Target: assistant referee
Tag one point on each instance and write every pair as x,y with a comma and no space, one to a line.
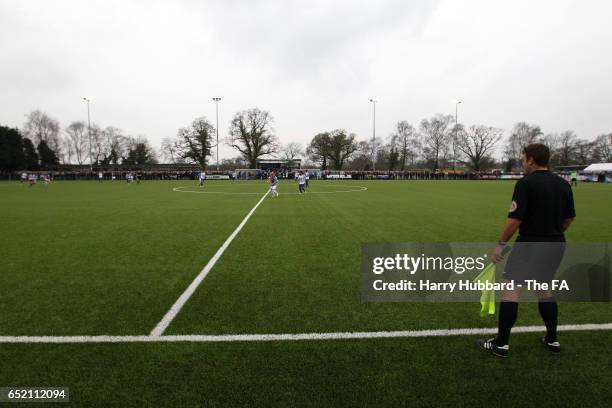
542,209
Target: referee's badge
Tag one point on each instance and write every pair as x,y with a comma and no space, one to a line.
512,206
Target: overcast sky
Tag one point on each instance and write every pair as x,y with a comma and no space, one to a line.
152,67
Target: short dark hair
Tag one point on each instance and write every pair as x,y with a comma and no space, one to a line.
540,153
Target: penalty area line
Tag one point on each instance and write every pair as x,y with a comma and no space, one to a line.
163,324
229,338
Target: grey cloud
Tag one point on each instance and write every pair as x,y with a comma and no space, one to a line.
305,38
153,66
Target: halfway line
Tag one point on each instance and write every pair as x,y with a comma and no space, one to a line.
180,302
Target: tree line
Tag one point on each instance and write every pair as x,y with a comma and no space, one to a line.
42,143
438,143
434,143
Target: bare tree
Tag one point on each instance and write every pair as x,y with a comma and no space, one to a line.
78,140
114,145
292,151
232,164
405,134
389,154
552,141
362,157
252,135
567,147
40,127
413,154
562,148
455,152
171,150
477,143
522,135
376,145
436,138
97,143
602,148
583,151
67,149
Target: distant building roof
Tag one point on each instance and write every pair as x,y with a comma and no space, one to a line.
278,160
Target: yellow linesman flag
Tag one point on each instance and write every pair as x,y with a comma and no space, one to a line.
487,299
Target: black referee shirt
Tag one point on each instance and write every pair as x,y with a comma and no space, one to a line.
542,201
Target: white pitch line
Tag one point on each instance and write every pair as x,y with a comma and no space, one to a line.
159,329
229,338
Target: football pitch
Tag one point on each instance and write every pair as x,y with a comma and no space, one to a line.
93,274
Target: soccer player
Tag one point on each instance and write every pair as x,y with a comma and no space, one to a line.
32,179
24,177
574,177
273,183
307,177
302,182
542,209
202,177
100,176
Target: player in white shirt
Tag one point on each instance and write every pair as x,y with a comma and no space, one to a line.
307,176
302,182
273,184
24,177
202,177
32,178
100,176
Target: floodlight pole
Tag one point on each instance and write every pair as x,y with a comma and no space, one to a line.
217,128
373,134
88,100
455,138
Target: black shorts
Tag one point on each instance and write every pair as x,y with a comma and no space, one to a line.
534,260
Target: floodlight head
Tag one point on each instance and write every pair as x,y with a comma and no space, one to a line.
87,98
373,100
216,99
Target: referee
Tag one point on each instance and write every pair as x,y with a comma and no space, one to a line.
542,209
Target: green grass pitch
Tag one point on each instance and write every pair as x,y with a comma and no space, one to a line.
89,258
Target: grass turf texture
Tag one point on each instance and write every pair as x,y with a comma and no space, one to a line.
111,258
428,372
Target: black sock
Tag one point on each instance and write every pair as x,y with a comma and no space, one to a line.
507,317
549,311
